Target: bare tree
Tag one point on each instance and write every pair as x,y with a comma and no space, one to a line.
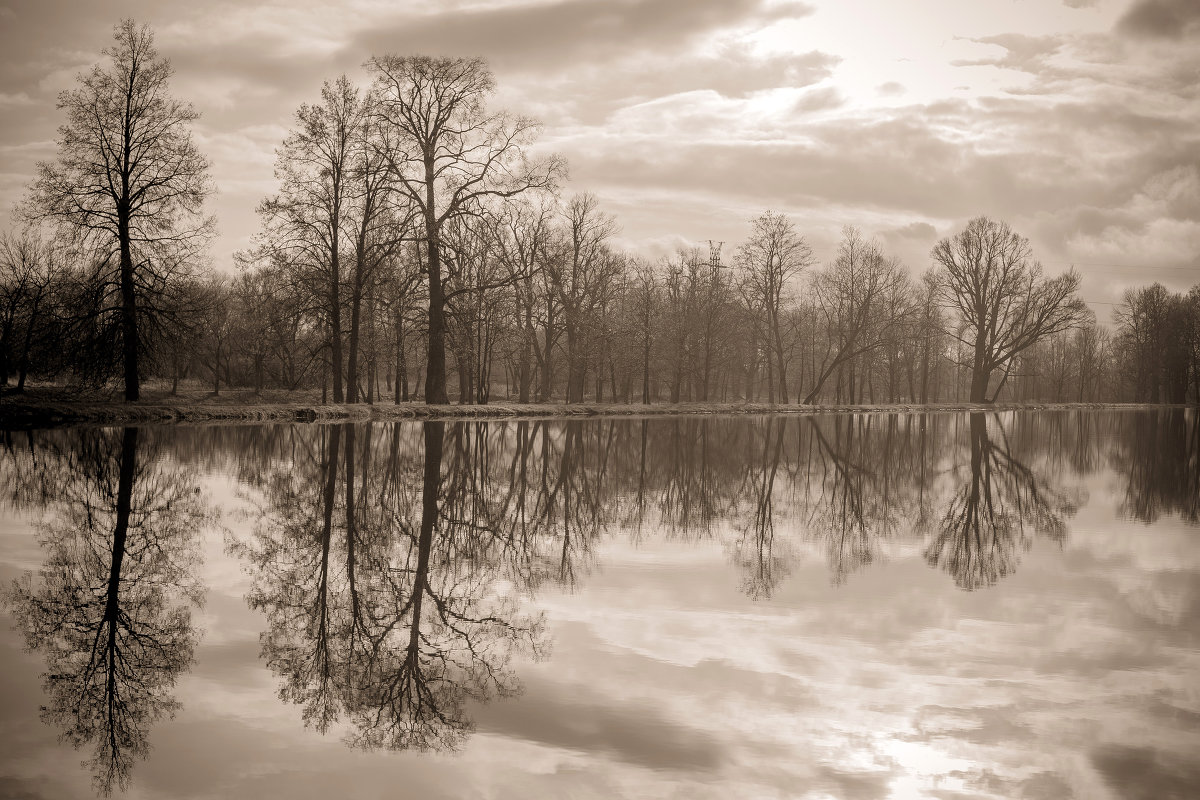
216,324
583,277
772,257
1157,331
128,178
644,297
381,222
521,243
448,153
859,307
1003,303
306,220
31,269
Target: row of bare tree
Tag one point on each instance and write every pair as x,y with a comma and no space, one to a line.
418,244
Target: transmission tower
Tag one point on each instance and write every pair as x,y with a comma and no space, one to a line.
714,254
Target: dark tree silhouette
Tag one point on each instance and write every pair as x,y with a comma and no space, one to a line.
130,181
448,154
1003,303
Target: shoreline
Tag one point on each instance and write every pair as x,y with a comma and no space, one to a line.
27,413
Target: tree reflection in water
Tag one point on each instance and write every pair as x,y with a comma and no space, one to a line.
756,551
993,513
1158,452
110,610
399,614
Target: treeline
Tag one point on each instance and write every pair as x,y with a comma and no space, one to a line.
418,247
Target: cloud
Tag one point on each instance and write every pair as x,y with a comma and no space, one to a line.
15,99
532,36
1021,52
919,231
1161,19
1141,773
555,715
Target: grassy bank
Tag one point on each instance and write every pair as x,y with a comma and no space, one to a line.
49,407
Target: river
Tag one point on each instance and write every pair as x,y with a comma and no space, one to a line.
852,606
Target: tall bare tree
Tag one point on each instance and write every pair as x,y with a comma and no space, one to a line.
584,278
768,261
129,178
306,221
448,152
860,307
521,242
1004,305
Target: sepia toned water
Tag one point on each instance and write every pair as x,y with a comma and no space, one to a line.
850,606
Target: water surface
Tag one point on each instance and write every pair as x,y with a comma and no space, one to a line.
859,606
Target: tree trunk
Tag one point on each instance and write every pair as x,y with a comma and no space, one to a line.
129,331
646,368
355,323
435,363
548,352
780,365
124,509
217,371
979,383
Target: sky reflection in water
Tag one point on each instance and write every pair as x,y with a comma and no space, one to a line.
860,606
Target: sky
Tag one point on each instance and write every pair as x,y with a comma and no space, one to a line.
1076,121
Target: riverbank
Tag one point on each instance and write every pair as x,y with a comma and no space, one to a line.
40,408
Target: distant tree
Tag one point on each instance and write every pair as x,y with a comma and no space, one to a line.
217,323
521,243
31,269
1157,330
584,277
1193,339
1002,302
862,301
644,300
128,179
767,262
447,153
927,333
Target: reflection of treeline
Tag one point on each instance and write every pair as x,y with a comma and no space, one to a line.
394,563
532,498
1158,455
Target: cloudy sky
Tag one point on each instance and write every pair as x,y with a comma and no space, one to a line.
1077,121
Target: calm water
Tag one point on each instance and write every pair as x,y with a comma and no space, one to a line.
943,606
